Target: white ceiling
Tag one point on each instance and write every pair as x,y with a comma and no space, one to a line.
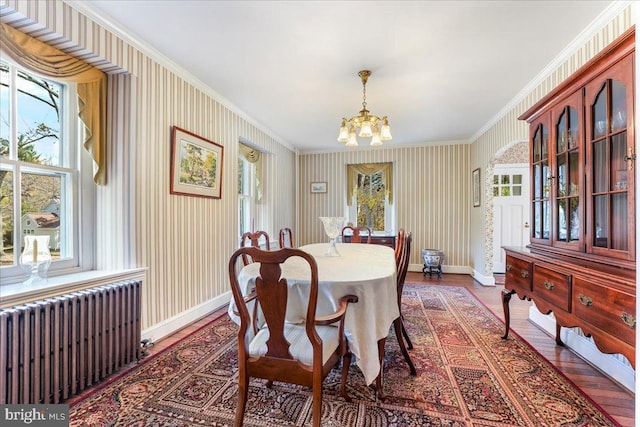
442,70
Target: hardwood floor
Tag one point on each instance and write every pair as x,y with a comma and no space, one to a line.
609,395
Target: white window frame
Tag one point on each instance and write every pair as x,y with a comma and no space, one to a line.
249,198
79,203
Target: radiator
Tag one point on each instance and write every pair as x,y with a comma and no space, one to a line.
53,349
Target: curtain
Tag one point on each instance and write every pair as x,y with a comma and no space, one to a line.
254,156
368,169
41,58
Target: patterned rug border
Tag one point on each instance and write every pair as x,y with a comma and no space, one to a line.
512,331
221,312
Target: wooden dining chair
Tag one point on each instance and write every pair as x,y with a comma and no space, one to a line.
301,353
286,238
253,239
400,242
398,324
357,235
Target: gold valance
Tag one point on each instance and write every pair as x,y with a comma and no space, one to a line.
41,58
368,169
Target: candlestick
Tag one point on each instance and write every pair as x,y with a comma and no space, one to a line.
35,250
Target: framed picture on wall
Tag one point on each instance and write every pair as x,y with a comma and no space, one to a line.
475,185
318,187
196,165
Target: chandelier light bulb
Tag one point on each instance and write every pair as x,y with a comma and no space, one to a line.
375,139
385,130
344,132
352,142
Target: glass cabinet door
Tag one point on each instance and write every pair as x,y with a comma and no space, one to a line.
567,174
540,230
611,159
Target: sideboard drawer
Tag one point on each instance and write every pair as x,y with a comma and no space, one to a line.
384,240
552,286
518,274
607,309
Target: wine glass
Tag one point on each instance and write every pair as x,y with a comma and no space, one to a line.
333,227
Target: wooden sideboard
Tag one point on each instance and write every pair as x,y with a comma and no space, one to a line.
377,240
598,299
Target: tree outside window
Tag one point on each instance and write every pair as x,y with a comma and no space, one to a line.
371,195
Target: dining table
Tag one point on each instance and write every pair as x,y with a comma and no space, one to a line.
367,271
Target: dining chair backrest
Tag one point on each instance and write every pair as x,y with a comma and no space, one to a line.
404,265
280,351
286,238
400,238
253,239
357,233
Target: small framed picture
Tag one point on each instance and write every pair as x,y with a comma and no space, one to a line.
196,165
475,183
318,187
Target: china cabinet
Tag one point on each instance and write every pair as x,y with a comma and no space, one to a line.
580,264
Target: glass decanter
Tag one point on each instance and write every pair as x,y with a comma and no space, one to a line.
333,227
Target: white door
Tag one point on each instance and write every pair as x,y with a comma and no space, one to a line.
511,210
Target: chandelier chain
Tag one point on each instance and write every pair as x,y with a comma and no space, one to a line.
364,96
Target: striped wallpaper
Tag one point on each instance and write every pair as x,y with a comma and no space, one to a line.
185,241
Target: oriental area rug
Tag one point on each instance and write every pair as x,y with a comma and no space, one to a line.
467,376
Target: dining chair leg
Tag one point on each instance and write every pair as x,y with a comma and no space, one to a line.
406,337
398,328
346,362
380,378
316,407
243,392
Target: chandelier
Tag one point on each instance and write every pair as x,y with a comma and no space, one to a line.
367,123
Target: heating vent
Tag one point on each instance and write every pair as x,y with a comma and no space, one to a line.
55,348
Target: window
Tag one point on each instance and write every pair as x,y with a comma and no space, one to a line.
39,168
246,189
370,195
506,185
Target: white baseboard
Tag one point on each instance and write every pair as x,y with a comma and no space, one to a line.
620,371
484,280
181,320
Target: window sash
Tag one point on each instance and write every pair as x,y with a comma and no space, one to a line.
68,171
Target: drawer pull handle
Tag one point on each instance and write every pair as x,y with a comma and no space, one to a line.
509,267
524,274
586,301
549,285
628,320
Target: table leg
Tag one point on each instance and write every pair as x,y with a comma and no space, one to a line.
379,379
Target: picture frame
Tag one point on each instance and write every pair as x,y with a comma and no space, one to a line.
319,187
475,186
196,165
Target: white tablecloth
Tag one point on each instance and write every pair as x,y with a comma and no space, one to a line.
367,271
